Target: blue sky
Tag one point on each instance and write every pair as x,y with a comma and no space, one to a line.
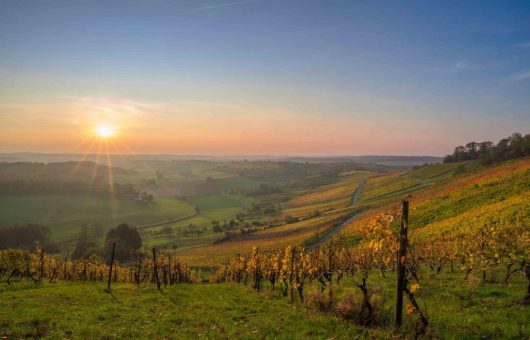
265,76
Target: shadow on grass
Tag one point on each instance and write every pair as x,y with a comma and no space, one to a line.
111,293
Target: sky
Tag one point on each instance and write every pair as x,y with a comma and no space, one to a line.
263,77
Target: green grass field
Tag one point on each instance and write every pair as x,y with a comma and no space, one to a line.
216,207
437,172
219,207
65,214
457,310
238,182
185,311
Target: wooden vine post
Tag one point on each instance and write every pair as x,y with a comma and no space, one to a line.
41,273
138,273
155,270
110,266
402,261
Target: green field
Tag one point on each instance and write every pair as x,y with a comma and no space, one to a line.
437,172
219,207
65,214
238,182
186,311
457,310
216,207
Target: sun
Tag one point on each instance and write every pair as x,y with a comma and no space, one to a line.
105,131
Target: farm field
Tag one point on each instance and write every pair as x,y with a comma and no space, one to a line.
319,210
65,214
237,182
325,198
207,209
219,207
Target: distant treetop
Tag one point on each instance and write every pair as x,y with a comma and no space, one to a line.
514,146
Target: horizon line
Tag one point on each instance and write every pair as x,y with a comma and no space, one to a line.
218,156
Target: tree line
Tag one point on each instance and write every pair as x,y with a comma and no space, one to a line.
127,239
484,153
32,187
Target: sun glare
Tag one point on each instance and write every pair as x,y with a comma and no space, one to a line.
105,131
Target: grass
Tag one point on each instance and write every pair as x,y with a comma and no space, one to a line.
237,182
381,188
437,172
218,207
184,311
457,309
65,214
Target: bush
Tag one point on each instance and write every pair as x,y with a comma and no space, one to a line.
291,219
320,301
352,307
166,230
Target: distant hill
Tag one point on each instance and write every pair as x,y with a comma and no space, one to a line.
400,161
61,171
390,161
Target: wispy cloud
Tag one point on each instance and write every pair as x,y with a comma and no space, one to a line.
459,66
523,44
520,77
225,4
462,65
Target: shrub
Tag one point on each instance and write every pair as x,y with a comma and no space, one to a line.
352,307
320,301
291,219
166,230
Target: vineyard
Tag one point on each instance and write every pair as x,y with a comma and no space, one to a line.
339,279
481,252
162,269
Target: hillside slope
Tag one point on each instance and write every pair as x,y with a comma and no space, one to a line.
493,195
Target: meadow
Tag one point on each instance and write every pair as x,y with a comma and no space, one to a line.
65,214
457,309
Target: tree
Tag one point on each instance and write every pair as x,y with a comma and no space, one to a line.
515,146
472,150
25,236
485,147
81,244
128,242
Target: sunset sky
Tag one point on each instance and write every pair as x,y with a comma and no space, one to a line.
264,77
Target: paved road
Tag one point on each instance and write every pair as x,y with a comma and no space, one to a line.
355,197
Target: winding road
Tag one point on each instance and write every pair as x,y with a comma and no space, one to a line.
336,229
